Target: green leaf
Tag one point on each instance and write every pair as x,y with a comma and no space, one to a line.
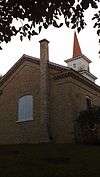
98,32
67,24
94,4
29,36
61,24
79,29
40,28
45,25
21,37
55,24
34,33
74,26
85,4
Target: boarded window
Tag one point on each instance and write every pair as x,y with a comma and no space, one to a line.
25,108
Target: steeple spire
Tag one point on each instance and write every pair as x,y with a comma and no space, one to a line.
76,47
80,62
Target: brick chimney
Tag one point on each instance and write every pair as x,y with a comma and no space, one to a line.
44,89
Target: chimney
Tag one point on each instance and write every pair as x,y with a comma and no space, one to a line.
44,51
44,89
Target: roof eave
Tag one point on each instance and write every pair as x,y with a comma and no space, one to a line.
90,74
78,57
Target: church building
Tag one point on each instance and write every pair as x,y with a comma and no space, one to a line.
40,101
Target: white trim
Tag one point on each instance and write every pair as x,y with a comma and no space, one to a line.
19,121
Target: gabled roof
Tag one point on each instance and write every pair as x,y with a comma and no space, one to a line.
76,75
88,73
30,59
65,71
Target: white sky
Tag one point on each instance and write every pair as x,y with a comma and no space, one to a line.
60,47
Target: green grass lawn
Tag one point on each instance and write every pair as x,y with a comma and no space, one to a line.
49,160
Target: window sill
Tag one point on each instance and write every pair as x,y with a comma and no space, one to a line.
22,121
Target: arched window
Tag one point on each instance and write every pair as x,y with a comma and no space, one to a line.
25,108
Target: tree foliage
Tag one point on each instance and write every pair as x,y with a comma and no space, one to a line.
89,117
41,14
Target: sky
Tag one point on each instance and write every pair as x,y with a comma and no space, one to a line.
60,47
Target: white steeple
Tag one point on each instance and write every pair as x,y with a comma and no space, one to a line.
80,62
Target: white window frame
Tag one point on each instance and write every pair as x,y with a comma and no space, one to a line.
23,109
